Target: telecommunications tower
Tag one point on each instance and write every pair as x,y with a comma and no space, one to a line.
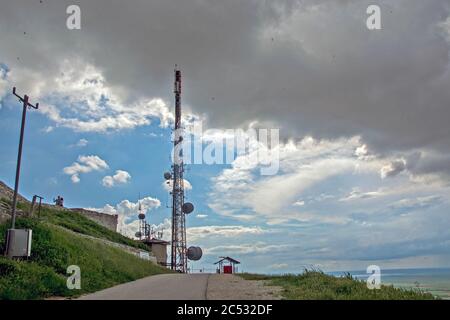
144,227
179,252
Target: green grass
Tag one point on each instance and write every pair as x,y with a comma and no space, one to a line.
54,249
315,285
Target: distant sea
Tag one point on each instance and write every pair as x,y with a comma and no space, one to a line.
436,281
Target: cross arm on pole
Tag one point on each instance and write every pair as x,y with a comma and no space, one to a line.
25,100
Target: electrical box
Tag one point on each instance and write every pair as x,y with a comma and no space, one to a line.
18,242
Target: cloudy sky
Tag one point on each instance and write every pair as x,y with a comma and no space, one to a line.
363,118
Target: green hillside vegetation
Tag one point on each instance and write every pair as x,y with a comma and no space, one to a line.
54,249
316,285
76,222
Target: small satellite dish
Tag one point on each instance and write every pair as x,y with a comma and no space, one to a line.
194,253
138,234
188,207
141,216
167,175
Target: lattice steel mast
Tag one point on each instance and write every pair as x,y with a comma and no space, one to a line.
178,257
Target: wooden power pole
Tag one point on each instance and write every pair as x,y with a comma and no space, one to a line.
26,104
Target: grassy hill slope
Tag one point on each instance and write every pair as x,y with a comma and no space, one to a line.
54,249
316,285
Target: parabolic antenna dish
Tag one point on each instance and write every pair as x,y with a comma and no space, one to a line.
141,216
188,207
138,234
167,175
194,253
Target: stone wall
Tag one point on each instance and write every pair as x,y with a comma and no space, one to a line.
109,221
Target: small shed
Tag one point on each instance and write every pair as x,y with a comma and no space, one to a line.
227,265
159,249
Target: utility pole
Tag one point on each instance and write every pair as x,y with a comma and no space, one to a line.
26,104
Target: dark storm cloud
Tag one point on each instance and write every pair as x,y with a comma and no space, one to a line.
310,67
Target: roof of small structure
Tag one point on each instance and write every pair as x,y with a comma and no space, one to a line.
228,259
155,241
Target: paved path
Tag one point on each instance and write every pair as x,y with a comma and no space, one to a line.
158,287
188,287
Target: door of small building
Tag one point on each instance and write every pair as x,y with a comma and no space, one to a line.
227,269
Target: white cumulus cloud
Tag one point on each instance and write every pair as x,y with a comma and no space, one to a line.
85,164
120,177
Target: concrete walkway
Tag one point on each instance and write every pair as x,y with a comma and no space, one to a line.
188,287
158,287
